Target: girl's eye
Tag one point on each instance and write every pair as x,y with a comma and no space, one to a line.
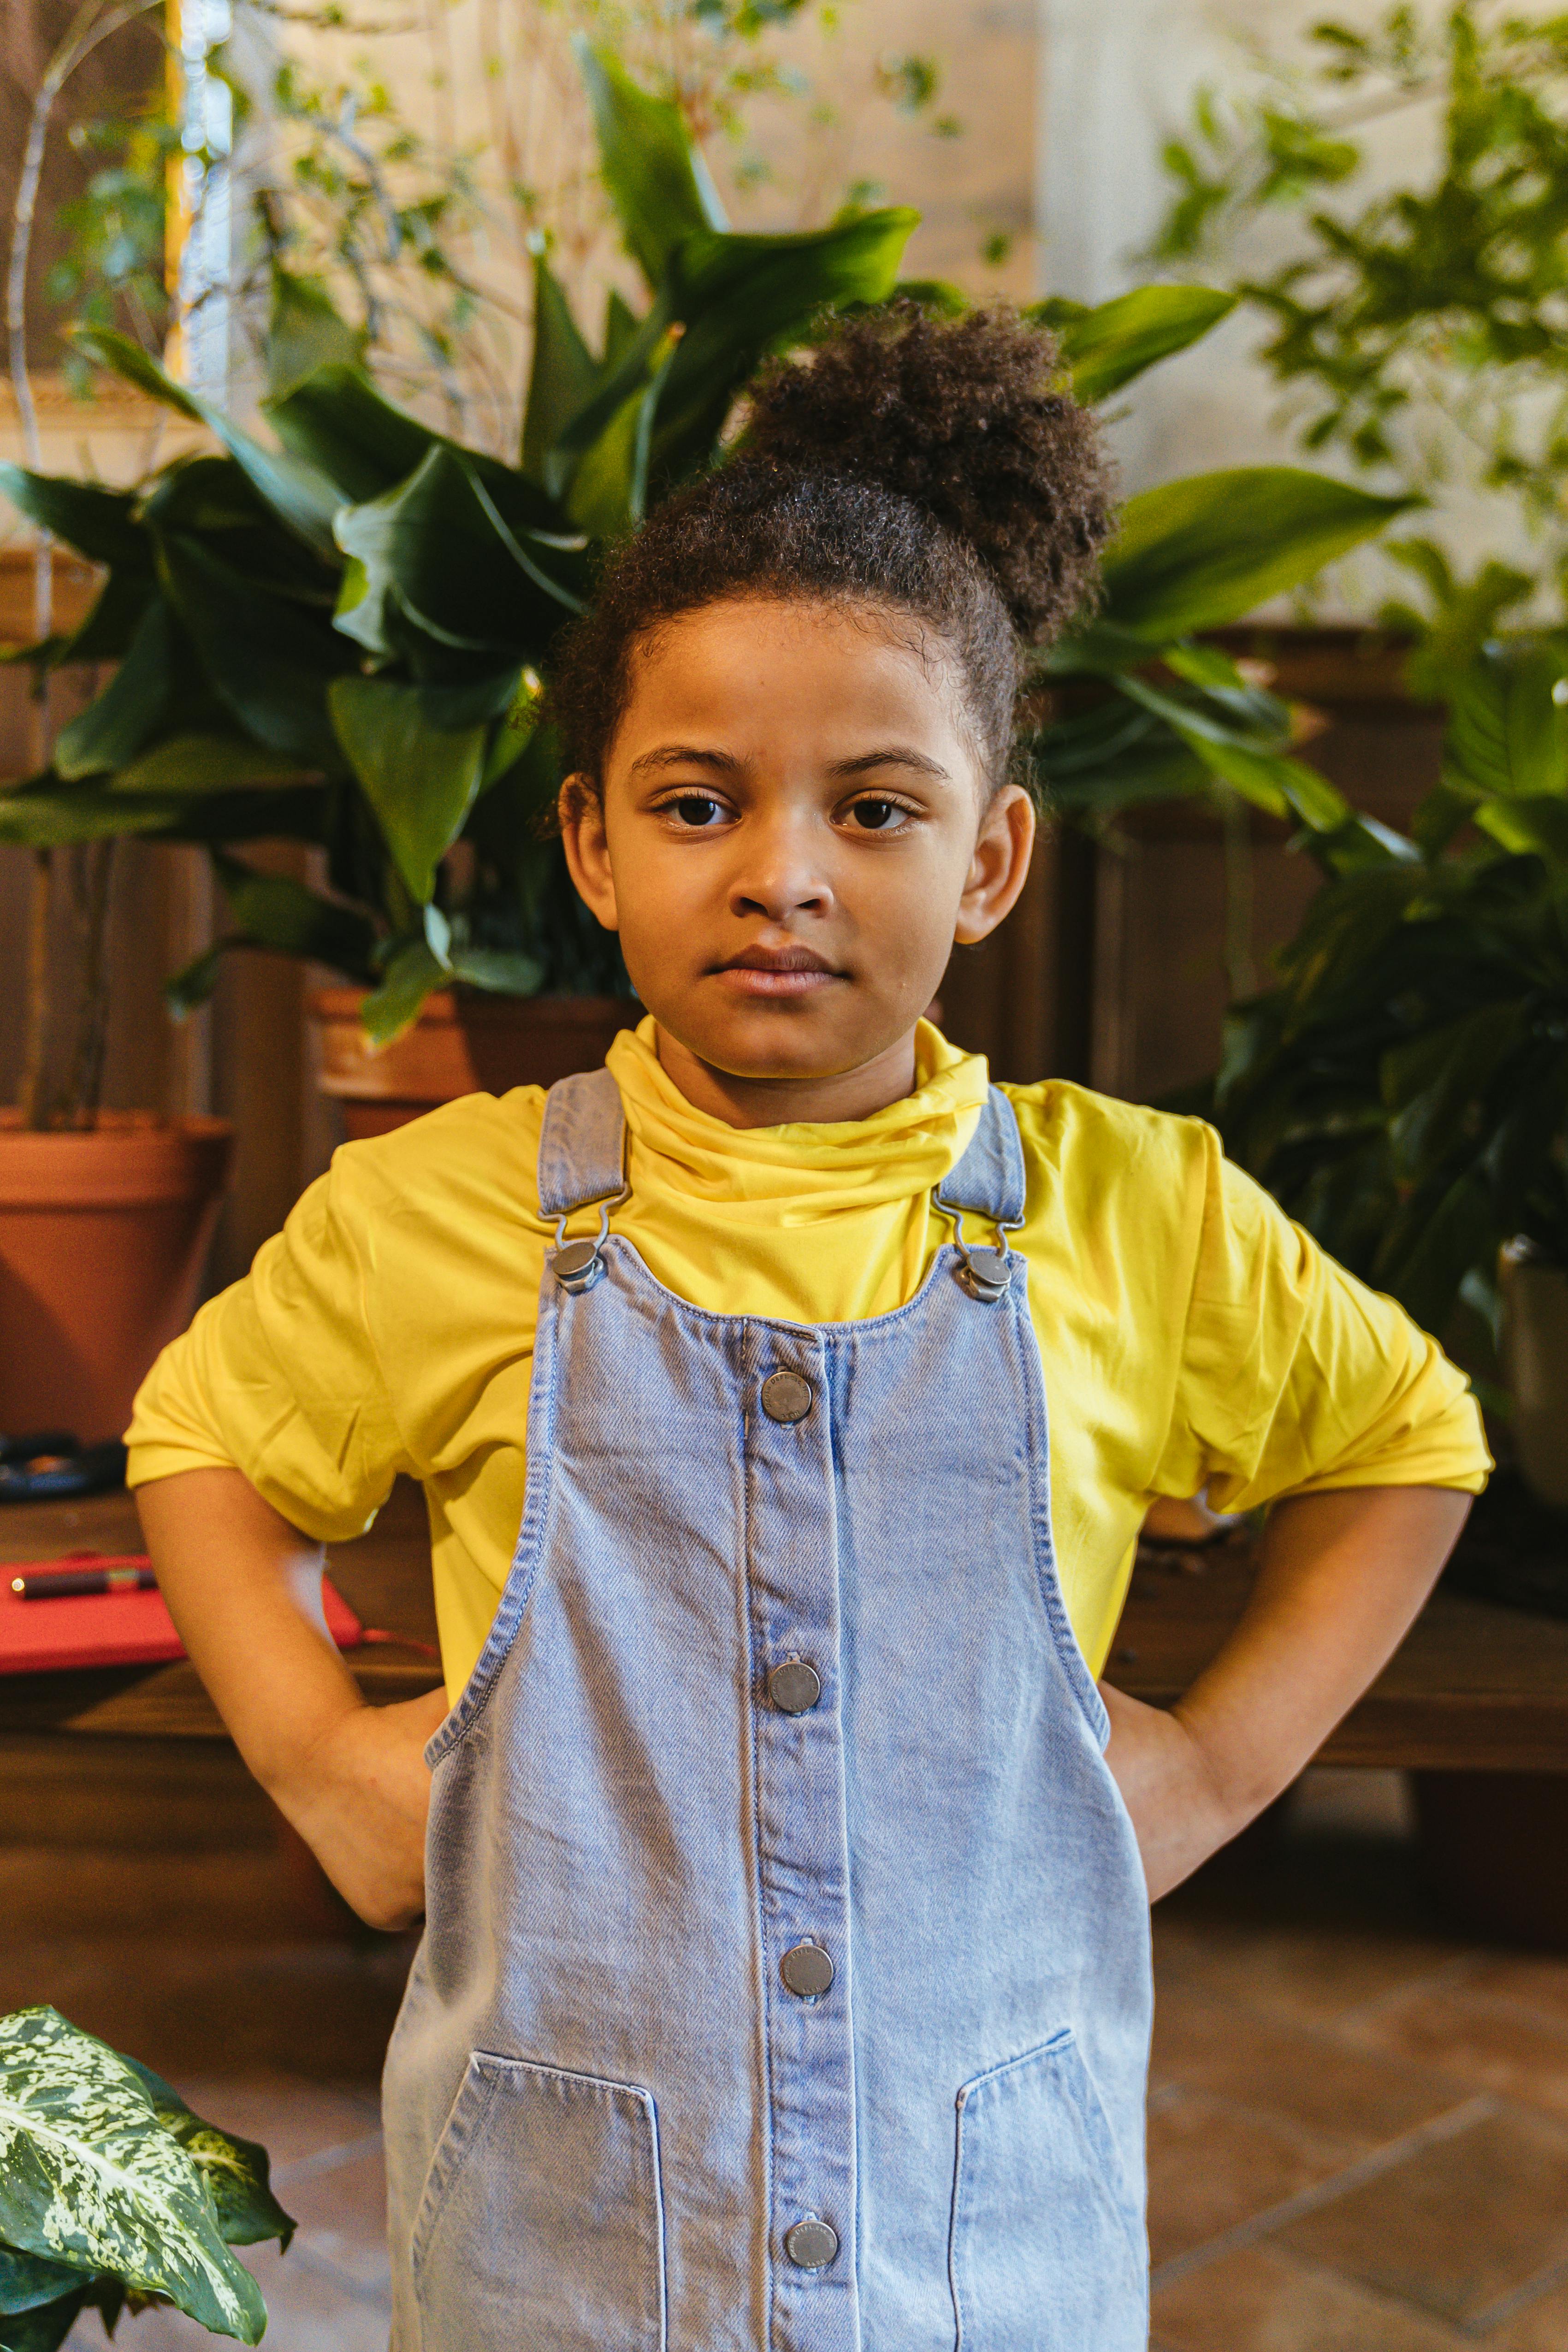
696,810
877,816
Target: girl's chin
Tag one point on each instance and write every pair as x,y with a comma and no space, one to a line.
759,1045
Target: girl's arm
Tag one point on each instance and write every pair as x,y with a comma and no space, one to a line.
245,1589
1341,1578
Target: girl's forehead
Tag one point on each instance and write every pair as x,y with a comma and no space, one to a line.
806,663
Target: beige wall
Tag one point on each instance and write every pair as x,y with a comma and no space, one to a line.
1117,78
967,186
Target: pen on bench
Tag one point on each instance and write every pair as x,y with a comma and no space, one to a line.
70,1583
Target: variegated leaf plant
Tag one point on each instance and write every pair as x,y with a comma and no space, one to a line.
112,2192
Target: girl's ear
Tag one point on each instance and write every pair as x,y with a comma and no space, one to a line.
1000,866
582,814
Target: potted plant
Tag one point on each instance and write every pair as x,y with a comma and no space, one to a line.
339,640
114,2197
105,1215
1404,1088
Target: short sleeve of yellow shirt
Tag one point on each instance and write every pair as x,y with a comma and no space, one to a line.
1190,1336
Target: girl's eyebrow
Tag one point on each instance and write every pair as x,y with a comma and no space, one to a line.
685,755
896,755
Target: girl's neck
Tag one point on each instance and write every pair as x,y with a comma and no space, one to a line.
791,1098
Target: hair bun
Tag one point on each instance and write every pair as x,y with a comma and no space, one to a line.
969,419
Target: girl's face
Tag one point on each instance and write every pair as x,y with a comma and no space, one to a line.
792,831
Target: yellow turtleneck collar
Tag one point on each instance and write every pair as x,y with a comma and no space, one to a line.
805,1170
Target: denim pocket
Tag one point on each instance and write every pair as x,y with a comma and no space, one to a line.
541,2220
1047,2251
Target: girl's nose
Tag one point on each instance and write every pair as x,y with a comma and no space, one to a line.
780,874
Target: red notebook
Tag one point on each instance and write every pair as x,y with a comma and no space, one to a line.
110,1629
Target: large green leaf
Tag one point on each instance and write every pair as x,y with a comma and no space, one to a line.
1537,822
420,783
99,523
505,971
741,298
1236,756
1432,1246
214,500
1111,756
620,327
40,815
1196,554
337,423
609,489
1507,728
1108,346
563,372
656,181
446,551
26,2280
127,359
89,2175
268,658
412,975
107,630
737,298
305,331
44,813
43,2328
273,910
296,492
189,765
238,2172
1437,1085
134,704
1251,710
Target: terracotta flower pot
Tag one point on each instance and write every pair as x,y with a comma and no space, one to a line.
102,1237
460,1045
1535,1366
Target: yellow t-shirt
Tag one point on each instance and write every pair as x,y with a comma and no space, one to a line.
1191,1335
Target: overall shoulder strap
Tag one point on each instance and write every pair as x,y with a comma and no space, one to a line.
989,1179
581,1145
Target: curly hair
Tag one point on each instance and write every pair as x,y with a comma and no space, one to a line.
934,470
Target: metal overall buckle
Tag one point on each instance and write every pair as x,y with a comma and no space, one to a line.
578,1265
985,1273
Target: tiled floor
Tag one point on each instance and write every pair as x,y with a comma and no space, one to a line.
1358,2121
1358,2131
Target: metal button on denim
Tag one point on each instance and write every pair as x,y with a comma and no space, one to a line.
577,1266
985,1275
786,1397
807,1970
795,1686
811,2246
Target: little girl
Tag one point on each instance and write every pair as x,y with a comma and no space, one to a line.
788,1398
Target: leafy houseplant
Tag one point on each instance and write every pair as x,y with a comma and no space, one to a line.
113,2196
1404,1088
1417,329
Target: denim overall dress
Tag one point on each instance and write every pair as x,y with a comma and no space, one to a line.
786,1985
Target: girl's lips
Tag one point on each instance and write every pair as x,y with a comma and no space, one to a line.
769,981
